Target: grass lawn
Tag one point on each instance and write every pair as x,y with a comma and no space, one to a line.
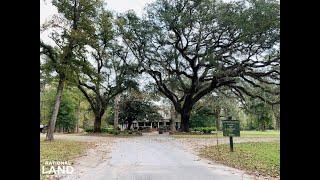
269,133
60,150
247,134
262,157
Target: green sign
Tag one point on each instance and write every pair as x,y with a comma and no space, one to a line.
231,127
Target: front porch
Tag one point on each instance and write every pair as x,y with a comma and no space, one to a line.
138,125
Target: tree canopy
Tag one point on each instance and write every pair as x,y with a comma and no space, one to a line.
104,69
68,32
206,45
187,50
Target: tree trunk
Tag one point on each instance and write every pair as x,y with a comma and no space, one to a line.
185,117
97,124
172,125
129,123
78,117
278,122
262,126
172,120
217,113
97,121
52,122
116,112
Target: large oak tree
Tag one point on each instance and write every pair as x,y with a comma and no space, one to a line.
205,45
104,67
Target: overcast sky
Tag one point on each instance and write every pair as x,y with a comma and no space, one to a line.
117,6
47,9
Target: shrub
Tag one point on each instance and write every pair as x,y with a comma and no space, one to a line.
205,130
88,129
115,132
103,130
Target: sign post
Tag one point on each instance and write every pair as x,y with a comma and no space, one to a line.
231,128
231,143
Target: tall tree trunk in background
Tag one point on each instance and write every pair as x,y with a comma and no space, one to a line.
52,122
129,125
261,123
130,120
172,125
277,116
263,127
217,114
226,113
116,111
41,105
78,116
278,122
172,120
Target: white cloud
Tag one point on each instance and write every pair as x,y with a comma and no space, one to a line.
120,6
46,10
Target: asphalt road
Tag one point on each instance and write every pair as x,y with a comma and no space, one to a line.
157,157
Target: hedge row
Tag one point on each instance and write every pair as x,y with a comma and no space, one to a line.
112,131
103,130
205,130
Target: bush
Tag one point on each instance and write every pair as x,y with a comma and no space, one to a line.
110,130
103,130
205,130
89,129
115,132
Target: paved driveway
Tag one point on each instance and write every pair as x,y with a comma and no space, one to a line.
156,157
